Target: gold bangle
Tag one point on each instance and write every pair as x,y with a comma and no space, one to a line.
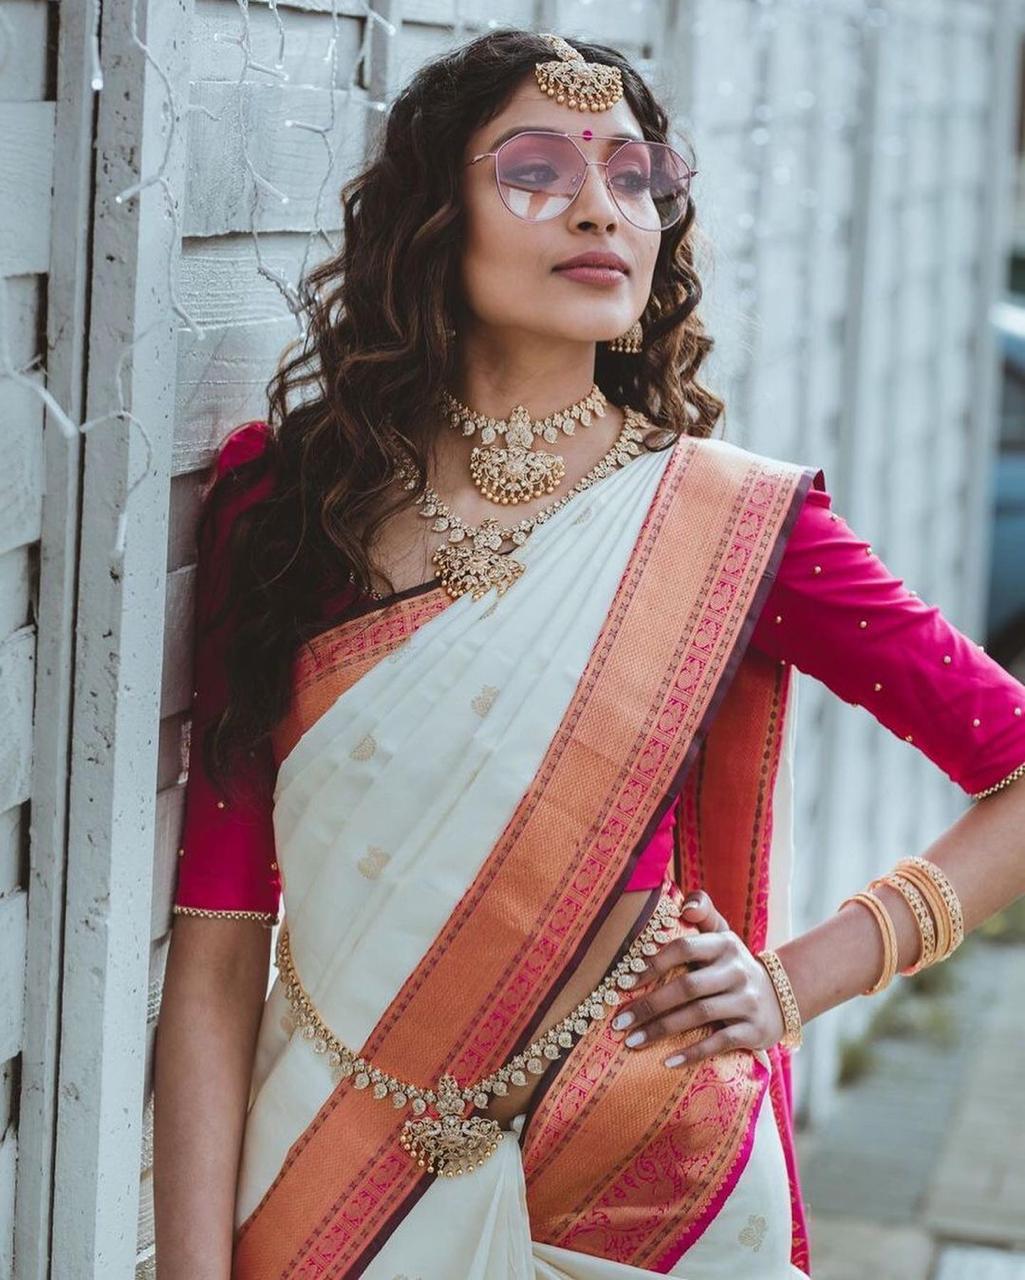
923,918
940,912
889,936
947,893
793,1032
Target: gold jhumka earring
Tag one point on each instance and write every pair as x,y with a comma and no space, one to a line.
629,342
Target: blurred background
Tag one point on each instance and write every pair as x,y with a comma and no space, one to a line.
168,168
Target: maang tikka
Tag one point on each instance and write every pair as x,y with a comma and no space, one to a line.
586,86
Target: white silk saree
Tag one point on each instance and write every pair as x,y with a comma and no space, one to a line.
463,790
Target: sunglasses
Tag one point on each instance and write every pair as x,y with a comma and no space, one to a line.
539,174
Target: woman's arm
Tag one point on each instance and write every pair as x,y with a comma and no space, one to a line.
983,856
214,989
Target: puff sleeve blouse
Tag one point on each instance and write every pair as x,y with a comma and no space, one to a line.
834,611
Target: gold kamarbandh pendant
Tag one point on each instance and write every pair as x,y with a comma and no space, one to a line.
476,566
450,1143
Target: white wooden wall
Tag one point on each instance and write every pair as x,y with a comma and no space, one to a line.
852,158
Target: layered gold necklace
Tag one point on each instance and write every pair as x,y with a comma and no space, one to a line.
470,559
514,471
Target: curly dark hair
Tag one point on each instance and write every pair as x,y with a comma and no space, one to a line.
376,350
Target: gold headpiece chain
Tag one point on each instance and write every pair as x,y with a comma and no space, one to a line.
586,86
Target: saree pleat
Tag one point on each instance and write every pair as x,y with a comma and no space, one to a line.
453,826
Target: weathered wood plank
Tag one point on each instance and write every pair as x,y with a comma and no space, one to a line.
21,479
26,161
13,921
23,70
300,56
65,208
176,687
169,818
120,633
17,673
11,835
8,1166
239,141
171,751
222,376
15,588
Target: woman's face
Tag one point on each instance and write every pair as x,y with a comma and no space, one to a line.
510,267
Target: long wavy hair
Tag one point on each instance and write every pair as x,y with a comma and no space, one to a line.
375,350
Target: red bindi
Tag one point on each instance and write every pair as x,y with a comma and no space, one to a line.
588,133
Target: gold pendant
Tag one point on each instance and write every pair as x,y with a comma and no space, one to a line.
449,1144
515,474
478,567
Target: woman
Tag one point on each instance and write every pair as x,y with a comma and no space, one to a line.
514,776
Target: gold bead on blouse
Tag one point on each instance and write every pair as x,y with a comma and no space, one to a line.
220,804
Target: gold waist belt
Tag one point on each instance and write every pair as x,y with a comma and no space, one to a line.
449,1142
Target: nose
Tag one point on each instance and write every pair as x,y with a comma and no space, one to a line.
594,205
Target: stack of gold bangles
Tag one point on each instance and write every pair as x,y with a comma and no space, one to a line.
937,911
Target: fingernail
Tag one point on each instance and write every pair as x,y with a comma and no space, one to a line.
635,1039
622,1020
677,1059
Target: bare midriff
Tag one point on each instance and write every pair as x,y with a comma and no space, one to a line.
605,948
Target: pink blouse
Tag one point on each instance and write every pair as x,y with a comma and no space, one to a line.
834,611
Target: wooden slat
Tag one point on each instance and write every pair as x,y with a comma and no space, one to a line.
13,913
64,206
11,835
229,123
176,686
23,70
8,1166
15,589
17,672
120,632
170,815
217,55
222,377
21,478
26,162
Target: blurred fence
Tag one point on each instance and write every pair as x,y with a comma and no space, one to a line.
157,203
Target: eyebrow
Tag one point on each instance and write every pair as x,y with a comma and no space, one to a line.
547,128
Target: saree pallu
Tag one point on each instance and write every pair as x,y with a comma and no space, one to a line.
464,789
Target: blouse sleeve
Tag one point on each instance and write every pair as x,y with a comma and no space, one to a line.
837,613
226,862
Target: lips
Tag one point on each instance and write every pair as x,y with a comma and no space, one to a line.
606,261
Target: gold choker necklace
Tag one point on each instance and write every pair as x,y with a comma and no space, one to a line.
517,472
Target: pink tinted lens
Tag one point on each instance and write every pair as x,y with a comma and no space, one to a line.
539,174
650,182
